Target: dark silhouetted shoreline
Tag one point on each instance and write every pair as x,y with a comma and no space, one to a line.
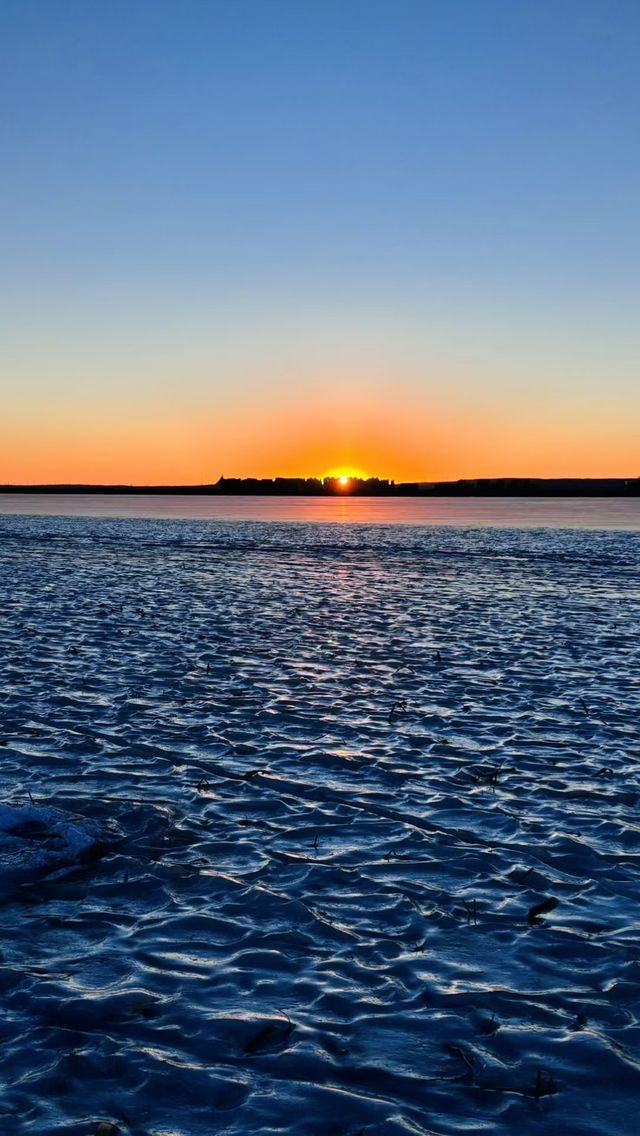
369,487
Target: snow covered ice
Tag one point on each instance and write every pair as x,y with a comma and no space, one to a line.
318,829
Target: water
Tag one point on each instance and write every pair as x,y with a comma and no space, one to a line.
494,512
278,805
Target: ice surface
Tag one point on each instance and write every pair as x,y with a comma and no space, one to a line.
36,843
340,770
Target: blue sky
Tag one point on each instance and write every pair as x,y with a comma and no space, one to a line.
212,208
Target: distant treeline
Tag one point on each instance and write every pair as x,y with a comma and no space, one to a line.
369,487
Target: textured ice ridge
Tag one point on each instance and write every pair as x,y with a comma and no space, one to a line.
38,842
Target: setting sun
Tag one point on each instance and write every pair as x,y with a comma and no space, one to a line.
343,474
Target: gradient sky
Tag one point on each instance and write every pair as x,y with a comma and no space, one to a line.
254,237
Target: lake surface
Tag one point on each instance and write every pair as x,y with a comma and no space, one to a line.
494,512
319,828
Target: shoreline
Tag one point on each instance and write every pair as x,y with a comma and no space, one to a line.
301,487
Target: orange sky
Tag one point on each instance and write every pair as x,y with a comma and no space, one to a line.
433,440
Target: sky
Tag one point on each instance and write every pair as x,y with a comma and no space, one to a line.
294,237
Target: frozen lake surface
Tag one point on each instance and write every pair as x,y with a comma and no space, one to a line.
330,830
611,513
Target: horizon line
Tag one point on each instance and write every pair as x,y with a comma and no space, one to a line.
344,486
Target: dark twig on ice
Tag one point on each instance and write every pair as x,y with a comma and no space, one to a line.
472,911
525,875
545,1085
459,1052
399,707
489,774
542,908
272,1035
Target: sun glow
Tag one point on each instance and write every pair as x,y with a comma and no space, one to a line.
345,473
